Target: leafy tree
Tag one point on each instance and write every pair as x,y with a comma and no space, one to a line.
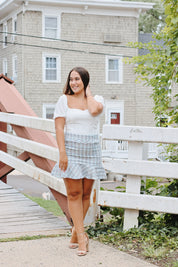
152,20
159,68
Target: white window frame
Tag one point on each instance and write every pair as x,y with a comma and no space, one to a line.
58,71
120,70
14,20
5,31
58,33
45,107
14,68
5,68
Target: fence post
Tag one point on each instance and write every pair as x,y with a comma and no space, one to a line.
133,184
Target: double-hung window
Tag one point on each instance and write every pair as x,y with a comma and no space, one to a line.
51,27
51,68
5,66
5,30
114,69
14,68
48,111
14,28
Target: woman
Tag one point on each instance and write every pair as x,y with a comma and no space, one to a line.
76,123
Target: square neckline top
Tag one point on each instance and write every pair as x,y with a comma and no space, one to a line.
74,108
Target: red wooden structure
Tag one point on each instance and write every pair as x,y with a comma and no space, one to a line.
11,101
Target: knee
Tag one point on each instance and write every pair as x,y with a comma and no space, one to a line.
86,196
75,195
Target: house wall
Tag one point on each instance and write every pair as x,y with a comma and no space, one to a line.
144,105
80,27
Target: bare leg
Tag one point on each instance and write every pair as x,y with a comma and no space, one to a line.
87,188
74,194
78,192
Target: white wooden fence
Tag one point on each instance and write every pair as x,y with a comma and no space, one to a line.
134,167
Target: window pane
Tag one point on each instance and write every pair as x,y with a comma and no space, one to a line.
113,76
49,113
113,64
15,25
51,33
51,62
51,75
51,22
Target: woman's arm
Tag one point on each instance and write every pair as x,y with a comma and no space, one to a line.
94,107
59,126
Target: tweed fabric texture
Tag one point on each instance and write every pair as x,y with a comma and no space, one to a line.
84,158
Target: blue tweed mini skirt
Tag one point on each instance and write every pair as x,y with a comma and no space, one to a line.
84,158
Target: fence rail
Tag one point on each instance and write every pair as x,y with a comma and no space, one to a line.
134,167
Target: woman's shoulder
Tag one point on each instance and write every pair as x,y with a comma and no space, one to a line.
62,100
61,107
63,97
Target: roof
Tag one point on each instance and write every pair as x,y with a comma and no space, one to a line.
146,38
9,6
2,76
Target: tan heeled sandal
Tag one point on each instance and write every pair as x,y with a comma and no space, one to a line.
83,252
73,245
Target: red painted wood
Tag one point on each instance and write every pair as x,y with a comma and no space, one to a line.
8,169
117,119
12,101
3,147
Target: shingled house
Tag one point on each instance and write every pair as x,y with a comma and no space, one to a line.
42,40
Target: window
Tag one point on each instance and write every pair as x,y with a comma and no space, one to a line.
5,30
5,66
48,111
114,70
14,28
51,27
14,68
51,68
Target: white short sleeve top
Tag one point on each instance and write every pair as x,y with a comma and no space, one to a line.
78,121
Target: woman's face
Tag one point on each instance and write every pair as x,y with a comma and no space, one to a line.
76,83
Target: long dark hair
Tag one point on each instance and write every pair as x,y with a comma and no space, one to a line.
84,76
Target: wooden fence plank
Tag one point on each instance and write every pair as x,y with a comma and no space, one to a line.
142,168
36,173
140,133
36,148
28,121
138,202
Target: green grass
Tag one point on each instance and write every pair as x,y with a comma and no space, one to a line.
50,205
26,237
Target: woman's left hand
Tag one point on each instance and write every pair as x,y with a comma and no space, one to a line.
88,91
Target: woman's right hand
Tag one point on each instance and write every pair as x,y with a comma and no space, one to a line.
63,161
